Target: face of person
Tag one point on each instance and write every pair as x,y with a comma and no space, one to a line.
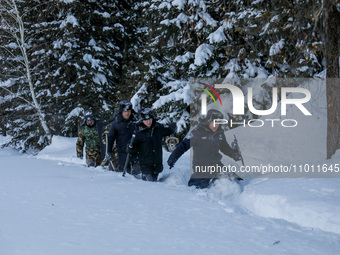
126,114
148,122
213,127
89,122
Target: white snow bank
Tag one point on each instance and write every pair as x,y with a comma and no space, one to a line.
63,149
312,203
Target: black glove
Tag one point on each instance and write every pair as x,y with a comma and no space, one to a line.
234,146
130,150
171,163
236,155
173,125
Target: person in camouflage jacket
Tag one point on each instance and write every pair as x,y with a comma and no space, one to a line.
88,135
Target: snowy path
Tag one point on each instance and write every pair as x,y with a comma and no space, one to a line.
59,207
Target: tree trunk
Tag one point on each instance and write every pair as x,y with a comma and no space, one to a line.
332,31
21,43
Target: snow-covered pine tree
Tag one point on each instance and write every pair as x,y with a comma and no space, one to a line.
268,38
85,57
76,49
150,55
92,54
130,41
154,71
277,35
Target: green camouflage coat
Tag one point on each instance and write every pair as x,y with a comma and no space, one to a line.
89,136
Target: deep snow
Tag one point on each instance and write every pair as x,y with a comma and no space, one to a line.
53,204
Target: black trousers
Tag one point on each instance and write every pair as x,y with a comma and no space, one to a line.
150,177
201,183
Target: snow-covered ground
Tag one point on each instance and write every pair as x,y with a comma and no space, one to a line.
52,203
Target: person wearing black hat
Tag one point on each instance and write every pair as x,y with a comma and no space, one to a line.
148,144
121,132
206,140
88,134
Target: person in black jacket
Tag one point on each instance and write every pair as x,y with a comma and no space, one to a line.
148,144
206,140
121,132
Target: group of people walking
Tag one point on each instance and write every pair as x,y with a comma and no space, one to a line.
145,154
141,136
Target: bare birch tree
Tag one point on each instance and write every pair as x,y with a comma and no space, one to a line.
17,31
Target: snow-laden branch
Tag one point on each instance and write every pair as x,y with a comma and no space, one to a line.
4,88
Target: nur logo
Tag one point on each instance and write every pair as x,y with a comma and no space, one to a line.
204,96
285,96
239,104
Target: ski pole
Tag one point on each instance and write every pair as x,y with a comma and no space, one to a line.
113,167
128,154
106,151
